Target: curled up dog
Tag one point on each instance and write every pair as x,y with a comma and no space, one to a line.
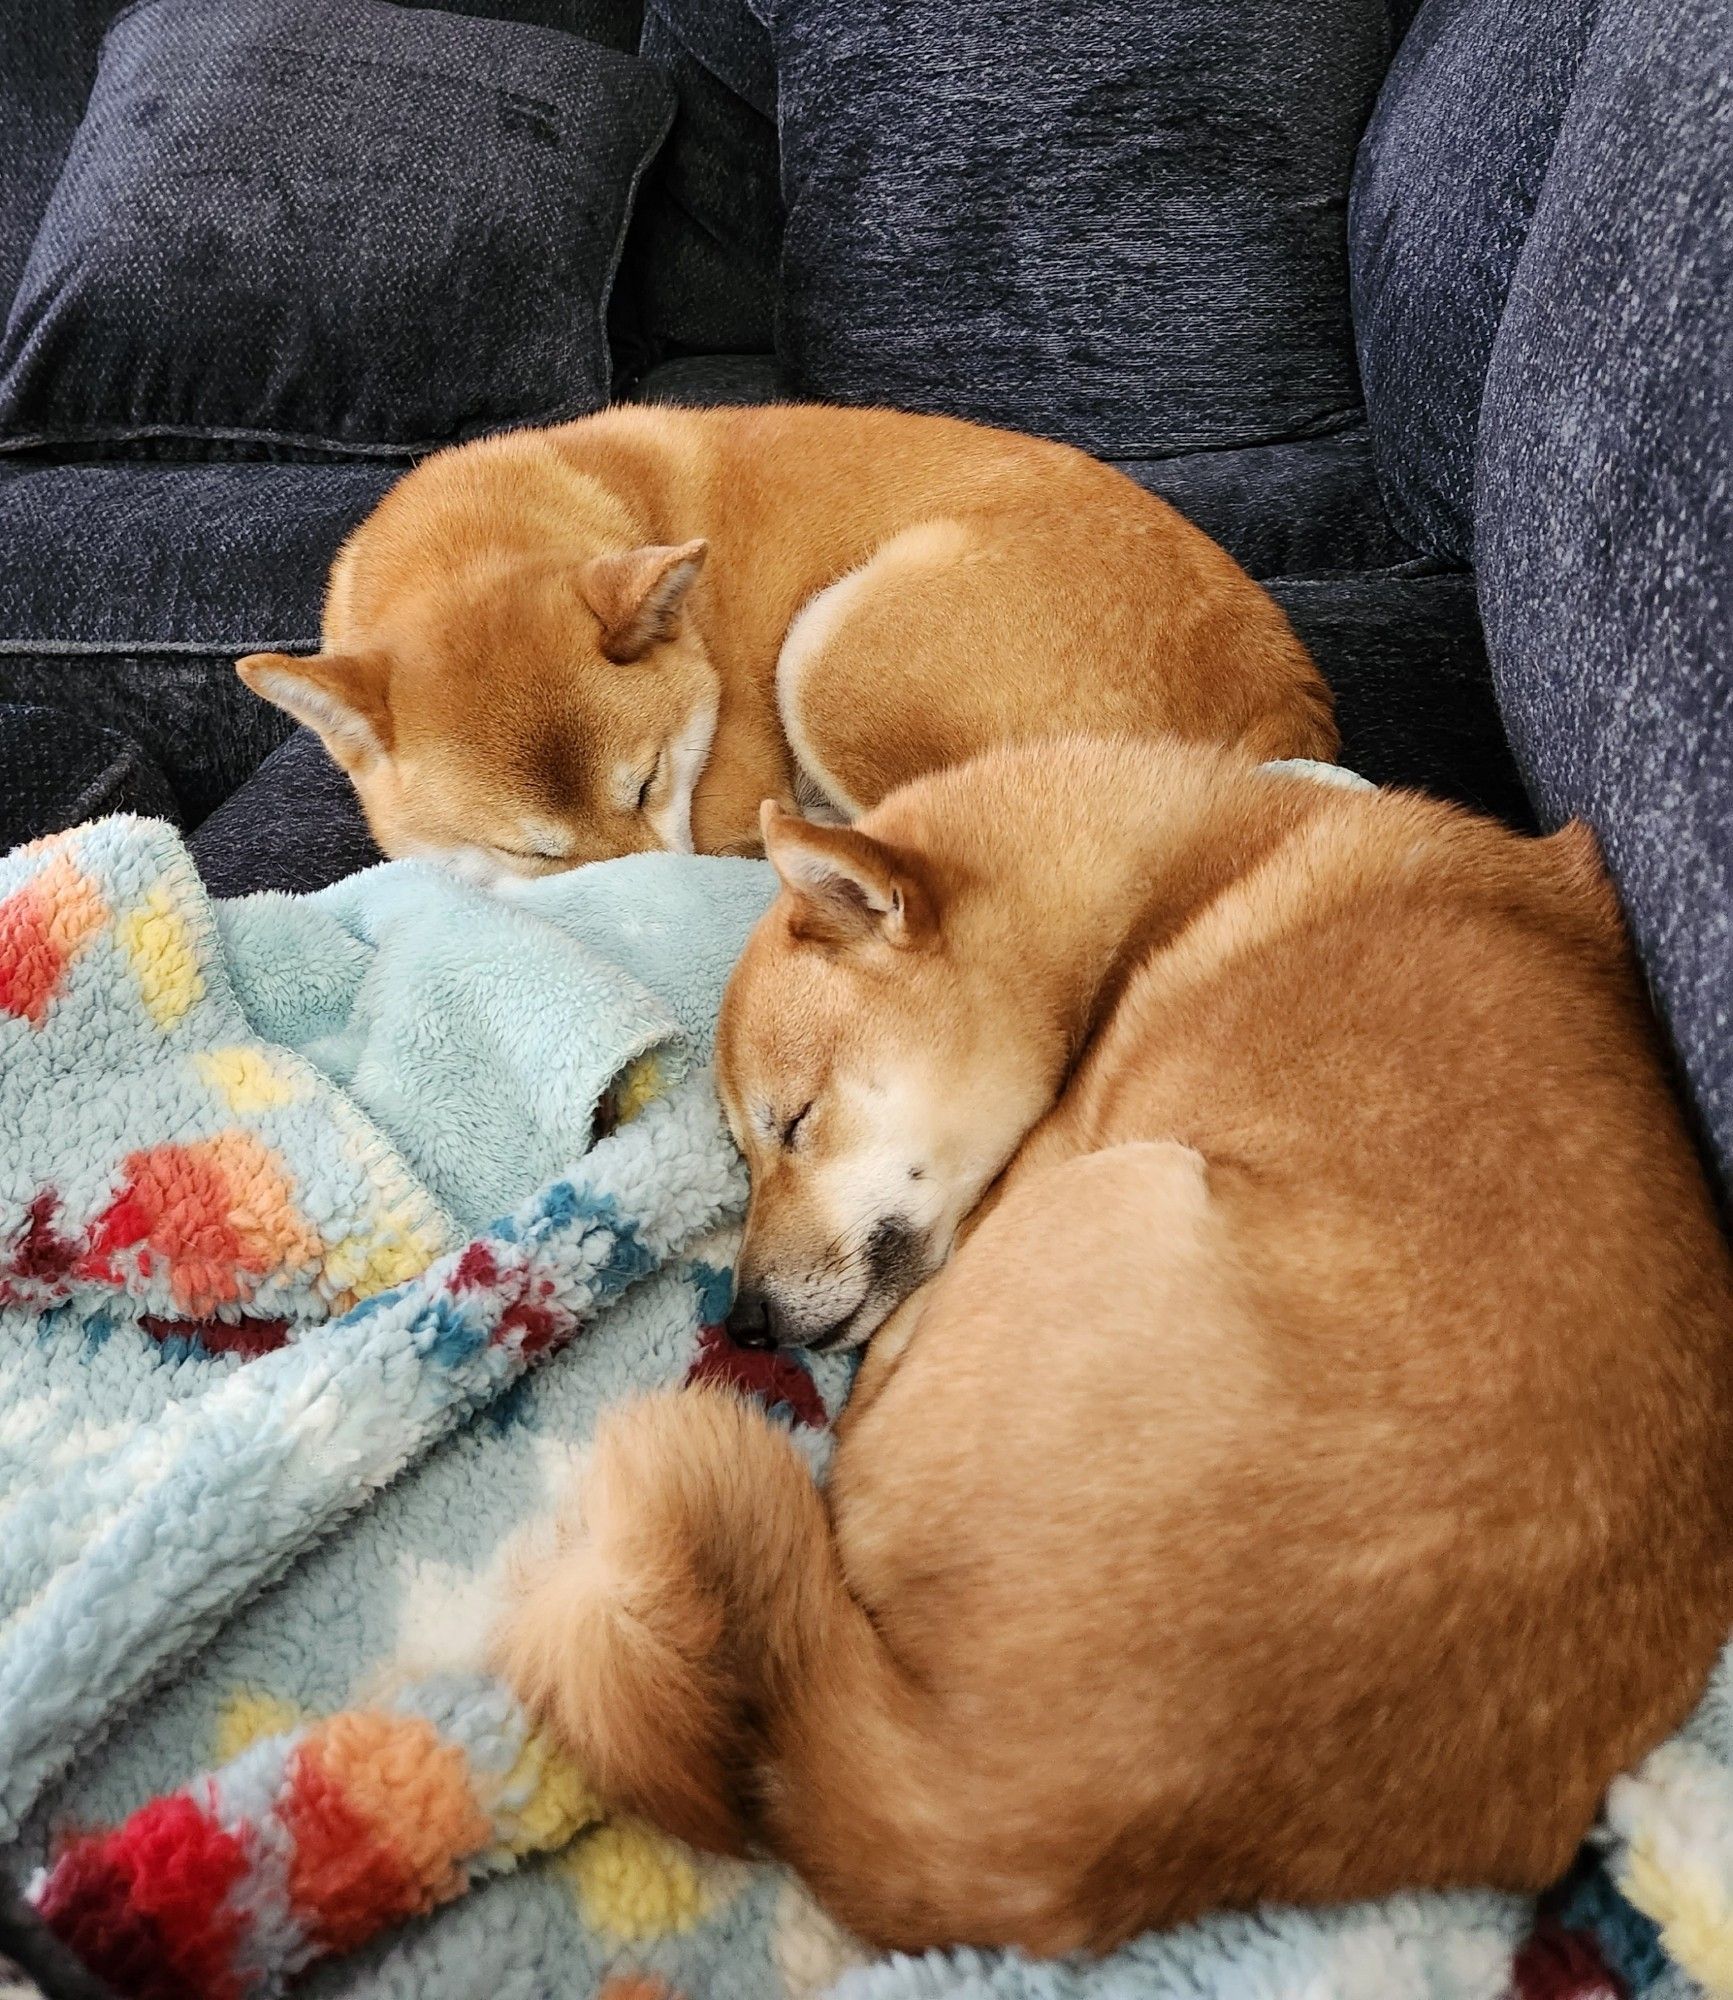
1291,1460
556,646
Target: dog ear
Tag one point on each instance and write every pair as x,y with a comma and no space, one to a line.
637,595
341,696
847,887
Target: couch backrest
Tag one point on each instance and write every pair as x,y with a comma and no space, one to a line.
700,271
1541,265
1117,222
1445,184
1604,505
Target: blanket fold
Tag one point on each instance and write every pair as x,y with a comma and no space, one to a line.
182,1193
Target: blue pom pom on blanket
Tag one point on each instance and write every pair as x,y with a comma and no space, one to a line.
265,1349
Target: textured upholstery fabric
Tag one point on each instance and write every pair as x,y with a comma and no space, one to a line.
1444,189
226,555
48,52
47,64
700,270
708,380
730,37
330,227
295,825
126,592
57,770
1604,512
1119,223
1404,656
181,705
613,23
1283,509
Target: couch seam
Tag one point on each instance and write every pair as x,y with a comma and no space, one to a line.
191,648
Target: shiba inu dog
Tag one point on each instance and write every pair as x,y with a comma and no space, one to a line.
1295,1457
556,646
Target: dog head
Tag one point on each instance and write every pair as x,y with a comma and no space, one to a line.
877,1076
504,703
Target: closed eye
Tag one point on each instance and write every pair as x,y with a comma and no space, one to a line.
649,784
528,853
791,1130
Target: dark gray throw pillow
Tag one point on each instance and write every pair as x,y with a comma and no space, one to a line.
1118,222
328,228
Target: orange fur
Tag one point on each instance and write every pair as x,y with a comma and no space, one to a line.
1309,1471
623,633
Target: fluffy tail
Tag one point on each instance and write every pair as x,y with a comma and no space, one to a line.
692,1640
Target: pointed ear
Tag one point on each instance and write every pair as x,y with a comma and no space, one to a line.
341,696
637,595
848,888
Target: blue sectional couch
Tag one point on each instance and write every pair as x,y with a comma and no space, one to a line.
1422,310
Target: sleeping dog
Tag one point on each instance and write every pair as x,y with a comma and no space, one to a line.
560,645
1294,1456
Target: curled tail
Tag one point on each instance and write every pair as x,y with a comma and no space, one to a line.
692,1640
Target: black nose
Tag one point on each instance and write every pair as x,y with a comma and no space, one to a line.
751,1322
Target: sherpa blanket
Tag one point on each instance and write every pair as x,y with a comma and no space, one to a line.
277,1393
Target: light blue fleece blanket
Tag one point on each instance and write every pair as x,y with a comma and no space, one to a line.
278,1392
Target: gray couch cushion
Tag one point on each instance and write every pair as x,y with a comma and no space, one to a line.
127,591
706,381
327,227
58,770
1303,508
613,23
294,825
1604,512
1118,222
1404,656
1444,189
